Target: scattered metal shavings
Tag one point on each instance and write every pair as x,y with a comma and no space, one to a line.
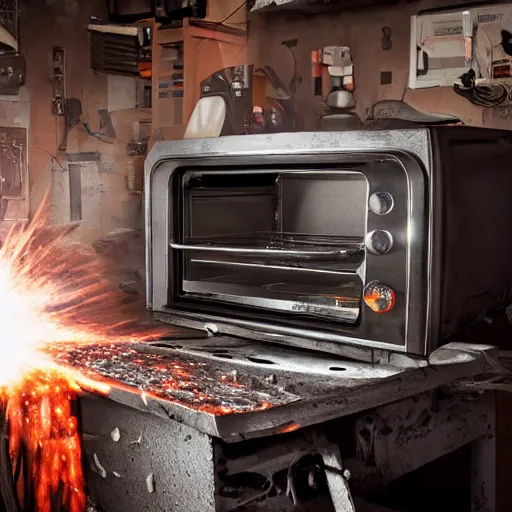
137,441
92,506
175,376
115,435
150,483
101,470
271,379
211,329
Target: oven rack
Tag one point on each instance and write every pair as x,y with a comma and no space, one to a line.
288,246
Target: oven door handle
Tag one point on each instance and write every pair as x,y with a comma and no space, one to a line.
332,255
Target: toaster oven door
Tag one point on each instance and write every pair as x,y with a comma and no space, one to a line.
288,244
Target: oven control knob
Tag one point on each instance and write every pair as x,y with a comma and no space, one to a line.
379,241
379,298
381,203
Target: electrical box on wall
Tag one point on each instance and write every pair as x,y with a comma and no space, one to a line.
446,44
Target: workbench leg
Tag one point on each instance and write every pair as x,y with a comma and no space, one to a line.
483,474
337,480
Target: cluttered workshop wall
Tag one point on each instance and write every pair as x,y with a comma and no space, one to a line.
88,180
379,42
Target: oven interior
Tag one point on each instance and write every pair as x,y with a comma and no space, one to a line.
285,242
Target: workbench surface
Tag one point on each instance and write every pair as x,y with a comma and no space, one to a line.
239,389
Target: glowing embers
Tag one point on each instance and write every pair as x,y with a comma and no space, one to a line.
379,298
172,376
44,437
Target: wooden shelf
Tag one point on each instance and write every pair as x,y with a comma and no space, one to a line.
204,48
170,35
321,6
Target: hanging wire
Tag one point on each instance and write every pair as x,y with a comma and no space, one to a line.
232,13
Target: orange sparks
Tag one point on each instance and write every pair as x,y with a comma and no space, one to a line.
42,420
52,291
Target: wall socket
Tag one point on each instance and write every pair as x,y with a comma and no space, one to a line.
386,77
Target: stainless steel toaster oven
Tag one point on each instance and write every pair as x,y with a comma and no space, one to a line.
355,243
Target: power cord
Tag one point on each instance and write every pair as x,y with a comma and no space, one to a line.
485,95
232,13
53,157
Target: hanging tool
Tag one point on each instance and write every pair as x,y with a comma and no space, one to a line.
59,94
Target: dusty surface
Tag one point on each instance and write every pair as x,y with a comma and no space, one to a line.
232,400
178,378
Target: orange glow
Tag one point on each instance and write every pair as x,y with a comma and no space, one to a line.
52,291
289,427
380,299
41,417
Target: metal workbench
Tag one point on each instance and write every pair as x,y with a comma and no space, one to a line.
186,421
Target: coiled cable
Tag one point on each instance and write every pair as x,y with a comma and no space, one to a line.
485,95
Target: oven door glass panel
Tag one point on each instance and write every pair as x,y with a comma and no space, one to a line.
286,241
